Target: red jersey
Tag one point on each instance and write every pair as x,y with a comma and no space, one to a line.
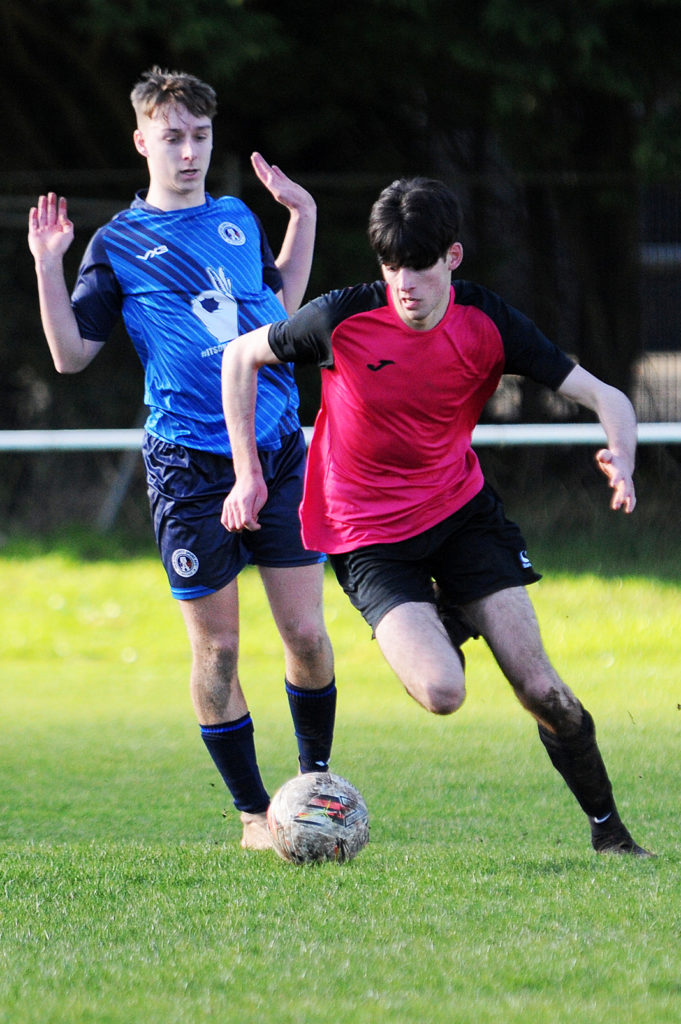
391,452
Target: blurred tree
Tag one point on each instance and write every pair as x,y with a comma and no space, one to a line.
548,116
545,115
579,99
70,67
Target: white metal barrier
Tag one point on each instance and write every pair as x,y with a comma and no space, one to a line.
130,441
484,434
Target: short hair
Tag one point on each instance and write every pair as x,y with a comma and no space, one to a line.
158,88
414,222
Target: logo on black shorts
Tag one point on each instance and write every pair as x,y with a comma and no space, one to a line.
185,563
524,560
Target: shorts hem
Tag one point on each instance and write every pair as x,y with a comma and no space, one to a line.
316,559
190,593
498,586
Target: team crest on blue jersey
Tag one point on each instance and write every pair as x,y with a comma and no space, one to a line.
231,233
185,563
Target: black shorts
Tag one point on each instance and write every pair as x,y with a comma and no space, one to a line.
474,552
187,489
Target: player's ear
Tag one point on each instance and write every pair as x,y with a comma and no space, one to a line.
140,144
454,255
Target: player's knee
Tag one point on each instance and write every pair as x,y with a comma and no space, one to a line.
443,696
447,704
306,639
217,655
556,706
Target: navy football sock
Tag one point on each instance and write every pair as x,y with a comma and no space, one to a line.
314,714
232,747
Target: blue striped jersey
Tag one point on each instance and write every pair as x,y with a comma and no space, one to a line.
186,283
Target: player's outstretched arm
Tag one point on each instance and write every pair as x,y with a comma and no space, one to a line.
50,233
241,361
295,258
618,419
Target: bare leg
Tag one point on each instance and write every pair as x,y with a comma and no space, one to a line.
416,646
508,623
296,599
213,628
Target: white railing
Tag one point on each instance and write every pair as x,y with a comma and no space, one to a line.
127,439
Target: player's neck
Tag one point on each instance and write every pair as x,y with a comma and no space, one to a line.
168,200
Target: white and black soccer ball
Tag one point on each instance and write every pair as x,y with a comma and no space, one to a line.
316,817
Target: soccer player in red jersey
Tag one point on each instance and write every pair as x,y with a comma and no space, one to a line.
394,491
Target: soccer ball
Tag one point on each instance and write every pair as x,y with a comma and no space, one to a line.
316,817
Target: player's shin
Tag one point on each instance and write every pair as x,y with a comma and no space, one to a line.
314,714
232,747
579,761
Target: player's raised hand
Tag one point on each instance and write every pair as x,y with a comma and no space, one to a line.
287,192
619,479
50,232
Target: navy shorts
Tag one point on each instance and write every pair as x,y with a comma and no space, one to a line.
474,552
187,489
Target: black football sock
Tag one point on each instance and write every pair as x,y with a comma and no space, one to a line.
232,747
314,714
579,761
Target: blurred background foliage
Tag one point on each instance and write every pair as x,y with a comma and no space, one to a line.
554,120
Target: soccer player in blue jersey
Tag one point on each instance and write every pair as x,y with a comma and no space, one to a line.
188,273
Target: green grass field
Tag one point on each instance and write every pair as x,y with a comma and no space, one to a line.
125,898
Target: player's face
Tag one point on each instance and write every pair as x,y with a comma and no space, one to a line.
421,297
177,146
